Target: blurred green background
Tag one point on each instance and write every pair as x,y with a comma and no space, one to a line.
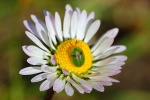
132,17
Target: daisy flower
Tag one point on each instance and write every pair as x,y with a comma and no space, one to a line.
64,60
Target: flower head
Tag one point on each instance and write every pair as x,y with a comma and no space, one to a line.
63,59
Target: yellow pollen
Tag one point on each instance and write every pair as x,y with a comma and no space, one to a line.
64,59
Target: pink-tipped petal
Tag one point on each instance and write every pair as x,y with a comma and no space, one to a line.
53,59
65,72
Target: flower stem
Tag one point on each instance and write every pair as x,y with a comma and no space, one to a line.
49,94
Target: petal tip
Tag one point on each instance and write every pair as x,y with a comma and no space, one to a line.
20,72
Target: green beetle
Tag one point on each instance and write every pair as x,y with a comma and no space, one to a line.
77,57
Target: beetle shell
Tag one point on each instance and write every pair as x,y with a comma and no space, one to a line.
77,57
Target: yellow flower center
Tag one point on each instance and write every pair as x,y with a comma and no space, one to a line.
64,56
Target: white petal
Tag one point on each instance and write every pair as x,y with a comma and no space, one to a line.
100,41
74,24
103,73
52,82
39,77
114,80
97,86
42,33
31,53
91,16
85,89
50,41
58,26
30,70
69,90
120,48
45,85
106,83
113,73
102,79
52,76
37,20
117,63
78,11
31,28
83,82
36,41
111,33
75,85
120,58
103,46
93,72
109,72
109,67
106,53
99,78
37,50
48,69
92,30
66,26
49,20
59,85
36,61
68,9
113,67
89,20
104,62
82,25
